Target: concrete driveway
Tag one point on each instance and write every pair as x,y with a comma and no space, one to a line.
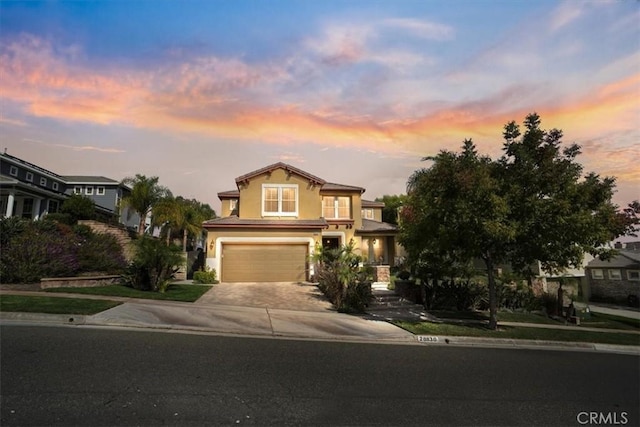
283,296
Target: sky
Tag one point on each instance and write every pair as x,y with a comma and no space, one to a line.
355,92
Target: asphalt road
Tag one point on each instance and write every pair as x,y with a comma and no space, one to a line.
81,376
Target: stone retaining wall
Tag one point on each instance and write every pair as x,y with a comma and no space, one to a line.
79,282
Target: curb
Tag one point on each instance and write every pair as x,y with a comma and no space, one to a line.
425,340
528,344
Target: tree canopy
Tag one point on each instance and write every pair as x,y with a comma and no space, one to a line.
533,204
145,193
391,205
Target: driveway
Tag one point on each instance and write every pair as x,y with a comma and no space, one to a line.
284,296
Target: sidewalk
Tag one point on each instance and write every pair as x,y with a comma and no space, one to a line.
201,317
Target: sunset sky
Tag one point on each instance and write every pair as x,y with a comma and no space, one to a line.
356,92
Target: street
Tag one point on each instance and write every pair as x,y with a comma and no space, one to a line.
83,376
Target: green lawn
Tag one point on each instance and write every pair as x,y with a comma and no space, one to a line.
509,332
597,320
54,305
183,293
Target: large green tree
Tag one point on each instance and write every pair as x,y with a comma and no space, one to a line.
533,204
392,204
145,193
180,214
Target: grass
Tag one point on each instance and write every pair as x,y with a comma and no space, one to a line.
597,320
54,305
183,293
524,333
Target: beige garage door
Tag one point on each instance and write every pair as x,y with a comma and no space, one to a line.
263,263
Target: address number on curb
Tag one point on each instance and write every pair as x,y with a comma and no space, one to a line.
427,338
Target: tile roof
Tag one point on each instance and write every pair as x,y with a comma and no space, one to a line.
230,194
84,179
280,165
624,259
372,204
371,226
331,186
235,222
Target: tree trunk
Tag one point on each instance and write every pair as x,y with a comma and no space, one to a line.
493,300
184,240
168,235
141,226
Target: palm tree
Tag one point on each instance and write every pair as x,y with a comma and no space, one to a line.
166,215
145,193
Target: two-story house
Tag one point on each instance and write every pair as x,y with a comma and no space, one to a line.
616,279
30,191
276,217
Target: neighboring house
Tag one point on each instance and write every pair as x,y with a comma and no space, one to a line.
617,279
278,215
106,193
30,191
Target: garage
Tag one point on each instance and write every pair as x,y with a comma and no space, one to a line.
264,262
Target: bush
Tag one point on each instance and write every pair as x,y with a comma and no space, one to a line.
36,253
342,280
404,275
78,207
205,277
455,295
154,265
100,253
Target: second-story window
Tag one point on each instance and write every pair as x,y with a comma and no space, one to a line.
233,204
77,190
279,200
367,213
88,191
29,176
100,191
43,182
13,171
54,185
336,207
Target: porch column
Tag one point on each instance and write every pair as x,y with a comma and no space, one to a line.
371,254
36,208
10,201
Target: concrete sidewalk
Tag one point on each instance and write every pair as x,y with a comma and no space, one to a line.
270,322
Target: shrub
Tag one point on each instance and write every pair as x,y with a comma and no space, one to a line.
154,265
341,279
36,253
100,253
78,207
404,275
205,277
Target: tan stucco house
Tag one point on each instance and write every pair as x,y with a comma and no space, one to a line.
277,216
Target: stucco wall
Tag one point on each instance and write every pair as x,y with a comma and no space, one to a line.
309,202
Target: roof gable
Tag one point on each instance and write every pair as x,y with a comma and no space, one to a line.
287,168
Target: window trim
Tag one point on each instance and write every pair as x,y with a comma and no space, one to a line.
336,207
13,171
88,190
280,187
29,176
77,189
233,204
599,276
43,181
54,185
619,276
633,279
100,191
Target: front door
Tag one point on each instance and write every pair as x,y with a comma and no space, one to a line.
330,243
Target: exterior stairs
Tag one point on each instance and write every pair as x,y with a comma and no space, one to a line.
388,306
121,235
